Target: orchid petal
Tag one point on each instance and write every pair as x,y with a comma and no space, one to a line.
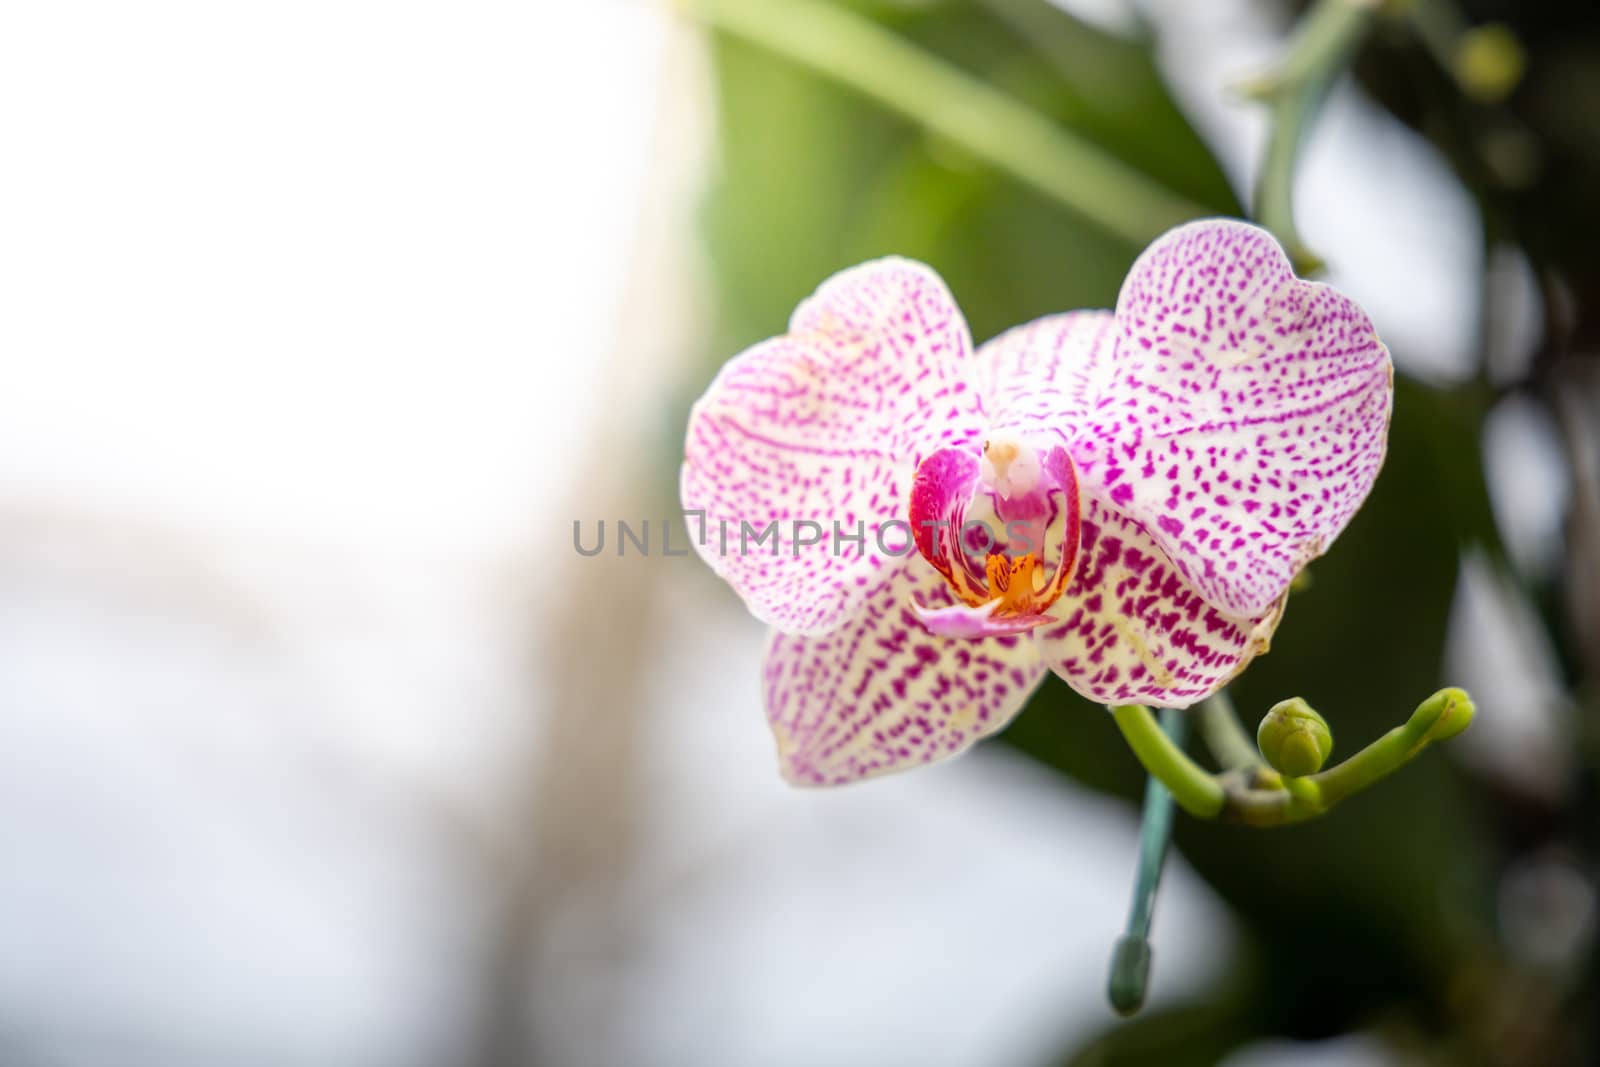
881,694
1035,379
1133,630
826,425
1241,415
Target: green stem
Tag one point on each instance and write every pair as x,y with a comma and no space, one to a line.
1130,960
1440,717
1196,791
1295,92
1225,738
1258,796
947,101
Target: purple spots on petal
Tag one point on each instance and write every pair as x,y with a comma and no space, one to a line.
1132,629
1306,369
824,425
842,712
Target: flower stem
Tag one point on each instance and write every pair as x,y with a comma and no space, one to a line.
1224,736
1254,795
1130,960
947,101
1294,93
1249,792
1196,791
1441,716
1266,798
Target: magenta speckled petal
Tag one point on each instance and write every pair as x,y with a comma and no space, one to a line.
1135,631
1241,413
827,424
1036,379
881,694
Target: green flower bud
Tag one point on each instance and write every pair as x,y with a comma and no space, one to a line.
1441,716
1294,739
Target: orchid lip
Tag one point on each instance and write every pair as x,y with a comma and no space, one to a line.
1015,573
974,623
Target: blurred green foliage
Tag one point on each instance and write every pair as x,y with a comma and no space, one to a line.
1378,915
812,179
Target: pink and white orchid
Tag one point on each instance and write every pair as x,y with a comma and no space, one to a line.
1121,498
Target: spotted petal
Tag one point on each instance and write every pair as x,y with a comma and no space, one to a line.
825,425
1240,415
1133,630
881,694
1036,379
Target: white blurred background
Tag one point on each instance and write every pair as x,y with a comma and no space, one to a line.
320,323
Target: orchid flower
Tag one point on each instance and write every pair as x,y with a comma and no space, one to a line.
1120,498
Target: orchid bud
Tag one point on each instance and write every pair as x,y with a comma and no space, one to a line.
1294,739
1441,716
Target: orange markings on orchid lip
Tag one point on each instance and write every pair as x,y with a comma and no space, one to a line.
1011,582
